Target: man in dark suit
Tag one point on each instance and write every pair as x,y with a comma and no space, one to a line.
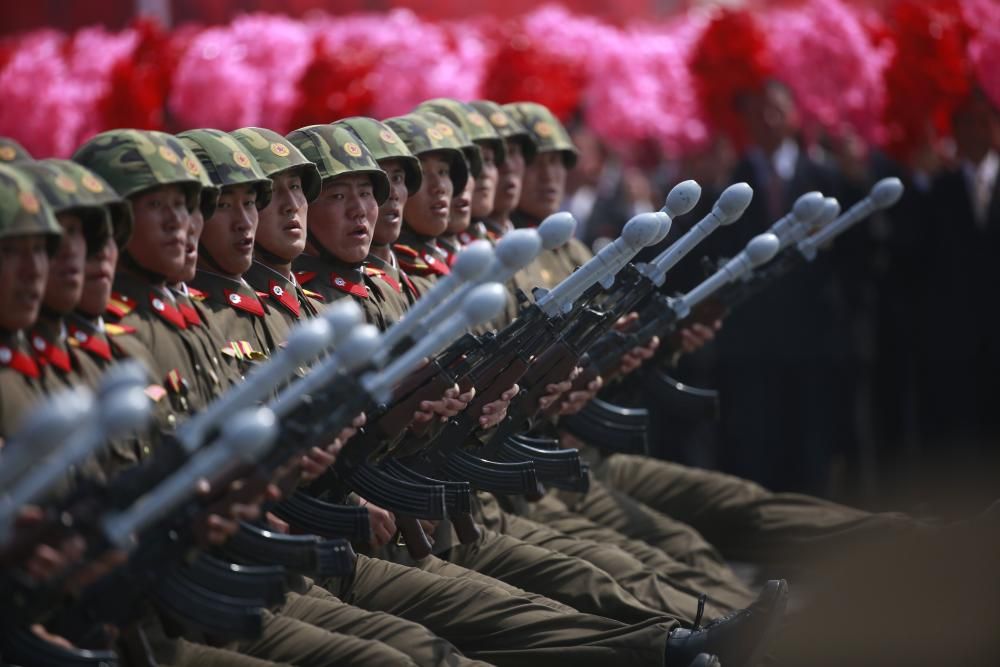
785,368
961,374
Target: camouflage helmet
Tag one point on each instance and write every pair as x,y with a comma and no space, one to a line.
23,210
385,144
338,150
469,120
118,208
227,162
275,154
134,161
208,200
505,125
72,190
423,134
546,130
473,156
12,152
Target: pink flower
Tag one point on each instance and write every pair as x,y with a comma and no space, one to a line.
823,53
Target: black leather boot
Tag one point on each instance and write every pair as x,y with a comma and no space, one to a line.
739,639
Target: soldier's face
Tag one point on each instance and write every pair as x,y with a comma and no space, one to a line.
544,185
510,178
196,225
427,211
460,214
98,275
65,284
390,214
486,185
343,218
282,227
159,238
24,265
229,233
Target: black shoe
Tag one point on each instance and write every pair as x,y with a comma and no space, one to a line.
705,660
739,639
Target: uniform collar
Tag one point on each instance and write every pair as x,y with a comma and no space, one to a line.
133,292
48,339
89,335
16,355
237,294
420,255
344,277
279,288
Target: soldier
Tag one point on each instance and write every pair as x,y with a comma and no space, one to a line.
281,230
341,220
29,234
473,205
405,178
160,178
436,143
250,329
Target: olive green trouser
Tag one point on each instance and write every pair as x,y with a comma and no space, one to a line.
622,522
741,518
589,576
494,624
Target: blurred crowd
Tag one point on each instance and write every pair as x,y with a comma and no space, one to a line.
870,375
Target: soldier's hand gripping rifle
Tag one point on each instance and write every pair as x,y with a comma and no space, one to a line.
554,466
532,333
408,501
570,331
309,411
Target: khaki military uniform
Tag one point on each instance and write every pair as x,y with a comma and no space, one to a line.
248,327
334,280
154,316
399,290
284,295
421,257
20,381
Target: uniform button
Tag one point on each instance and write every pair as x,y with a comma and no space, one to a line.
197,367
145,450
171,419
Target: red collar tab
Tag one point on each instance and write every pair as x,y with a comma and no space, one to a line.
304,277
112,329
285,296
19,361
409,283
190,314
249,303
384,275
49,354
96,345
196,293
167,310
345,285
120,305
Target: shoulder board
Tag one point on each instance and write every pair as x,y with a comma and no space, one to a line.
120,305
313,295
262,295
118,329
305,276
196,294
374,271
406,250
